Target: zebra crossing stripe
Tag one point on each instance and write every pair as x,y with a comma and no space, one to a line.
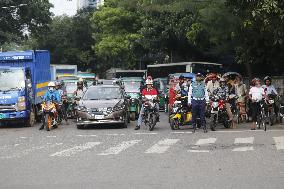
76,149
279,142
206,141
119,148
243,149
248,140
162,146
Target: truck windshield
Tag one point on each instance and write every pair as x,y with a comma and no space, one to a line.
11,79
102,93
132,86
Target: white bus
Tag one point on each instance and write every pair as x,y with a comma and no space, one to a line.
163,70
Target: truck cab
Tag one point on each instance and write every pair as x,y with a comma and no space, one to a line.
24,77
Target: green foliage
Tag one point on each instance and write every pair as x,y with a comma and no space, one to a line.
16,21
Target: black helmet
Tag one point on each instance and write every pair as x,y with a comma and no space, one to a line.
267,78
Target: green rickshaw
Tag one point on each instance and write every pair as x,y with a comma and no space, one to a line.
132,87
161,85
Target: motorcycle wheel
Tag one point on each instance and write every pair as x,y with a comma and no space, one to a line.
213,123
48,121
174,124
152,122
132,116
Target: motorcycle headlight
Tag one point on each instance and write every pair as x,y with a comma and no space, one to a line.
215,104
21,105
271,101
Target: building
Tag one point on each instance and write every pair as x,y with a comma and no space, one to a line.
70,7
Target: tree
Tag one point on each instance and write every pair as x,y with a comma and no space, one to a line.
16,21
260,34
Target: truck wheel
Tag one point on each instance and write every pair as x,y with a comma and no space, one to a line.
132,116
30,122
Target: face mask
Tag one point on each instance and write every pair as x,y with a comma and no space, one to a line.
51,89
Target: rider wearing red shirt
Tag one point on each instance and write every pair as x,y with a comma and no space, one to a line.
148,93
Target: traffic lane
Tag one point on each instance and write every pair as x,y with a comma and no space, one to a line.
170,170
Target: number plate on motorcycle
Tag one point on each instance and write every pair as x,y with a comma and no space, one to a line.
99,116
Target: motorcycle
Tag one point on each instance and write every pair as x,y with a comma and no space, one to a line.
69,105
270,112
49,115
134,105
150,114
180,114
281,112
218,113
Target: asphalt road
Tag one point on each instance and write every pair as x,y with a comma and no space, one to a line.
112,157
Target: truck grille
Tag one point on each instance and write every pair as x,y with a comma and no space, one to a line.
7,108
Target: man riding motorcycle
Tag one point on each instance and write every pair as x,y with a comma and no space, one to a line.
270,90
80,89
148,93
212,85
182,87
51,95
223,93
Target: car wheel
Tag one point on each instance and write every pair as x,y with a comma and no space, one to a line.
80,126
132,116
125,122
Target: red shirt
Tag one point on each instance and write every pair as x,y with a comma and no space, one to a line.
149,93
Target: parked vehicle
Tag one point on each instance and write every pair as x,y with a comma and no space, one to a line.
63,72
161,85
24,77
103,104
218,113
132,87
49,115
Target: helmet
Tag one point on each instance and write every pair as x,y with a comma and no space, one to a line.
181,77
222,80
149,82
80,79
149,77
267,78
199,75
51,84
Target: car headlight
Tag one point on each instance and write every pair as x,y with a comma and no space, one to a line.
81,108
21,105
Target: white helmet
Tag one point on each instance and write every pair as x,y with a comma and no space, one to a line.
222,79
149,82
80,79
51,84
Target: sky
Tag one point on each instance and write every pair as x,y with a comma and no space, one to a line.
68,7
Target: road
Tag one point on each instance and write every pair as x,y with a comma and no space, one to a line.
123,158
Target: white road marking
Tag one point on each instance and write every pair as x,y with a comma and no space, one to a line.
23,137
162,146
119,148
248,140
243,149
279,142
145,133
228,131
206,141
181,132
115,134
198,151
16,144
33,149
86,135
76,149
51,136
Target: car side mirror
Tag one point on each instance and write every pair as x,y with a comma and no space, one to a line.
128,97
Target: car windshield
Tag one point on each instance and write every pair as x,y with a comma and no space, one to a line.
11,79
132,86
102,93
71,87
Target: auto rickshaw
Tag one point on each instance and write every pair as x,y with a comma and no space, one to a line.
161,85
132,87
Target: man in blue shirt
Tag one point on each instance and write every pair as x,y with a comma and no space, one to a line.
51,95
198,97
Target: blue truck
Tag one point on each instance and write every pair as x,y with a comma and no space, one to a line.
24,77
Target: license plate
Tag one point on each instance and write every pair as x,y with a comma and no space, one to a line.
2,116
99,116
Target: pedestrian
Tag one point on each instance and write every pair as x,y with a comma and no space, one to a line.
197,98
256,94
